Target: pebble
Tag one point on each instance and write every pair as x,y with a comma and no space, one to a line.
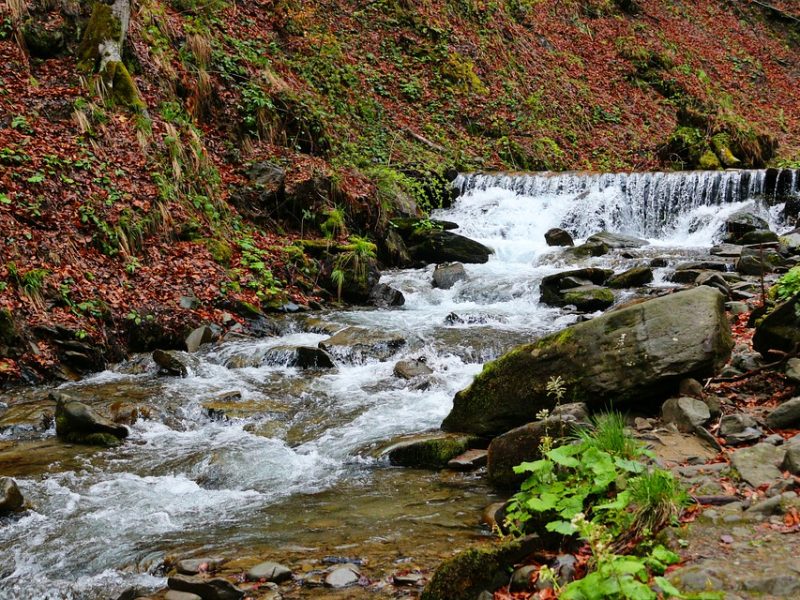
269,571
343,576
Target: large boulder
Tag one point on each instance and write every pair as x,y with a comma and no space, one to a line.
429,451
439,246
758,261
634,277
779,329
78,423
635,355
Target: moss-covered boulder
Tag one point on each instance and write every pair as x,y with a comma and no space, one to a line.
429,451
633,356
579,287
588,249
484,568
634,277
78,423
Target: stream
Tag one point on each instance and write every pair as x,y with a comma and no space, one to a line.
294,473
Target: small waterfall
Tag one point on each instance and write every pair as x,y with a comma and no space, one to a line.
644,204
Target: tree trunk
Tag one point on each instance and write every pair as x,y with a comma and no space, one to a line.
100,51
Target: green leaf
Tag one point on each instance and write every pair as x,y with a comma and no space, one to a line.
621,502
564,456
668,557
37,177
562,527
631,466
4,199
532,467
542,503
668,589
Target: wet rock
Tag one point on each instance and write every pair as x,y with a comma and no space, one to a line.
409,369
785,415
564,567
554,288
384,296
779,329
739,428
588,298
208,589
447,275
659,263
714,280
309,357
702,265
790,242
408,579
357,344
793,370
521,578
634,355
78,423
438,246
762,236
195,566
617,240
685,413
343,576
635,277
737,308
758,465
169,363
468,461
522,443
558,237
740,223
588,249
470,572
759,261
10,497
269,571
686,277
176,595
198,337
727,250
432,451
494,516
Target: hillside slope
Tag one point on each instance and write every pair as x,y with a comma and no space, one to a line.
129,218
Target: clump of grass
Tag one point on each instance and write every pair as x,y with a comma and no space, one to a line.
608,433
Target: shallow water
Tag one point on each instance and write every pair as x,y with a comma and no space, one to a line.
295,473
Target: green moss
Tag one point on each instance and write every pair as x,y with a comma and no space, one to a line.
580,297
431,453
468,573
123,89
721,144
708,161
220,250
102,25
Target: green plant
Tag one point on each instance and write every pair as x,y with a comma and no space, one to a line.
30,283
334,224
131,265
20,123
787,286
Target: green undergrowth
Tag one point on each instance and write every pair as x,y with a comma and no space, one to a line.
603,489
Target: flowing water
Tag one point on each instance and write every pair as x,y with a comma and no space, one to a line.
295,474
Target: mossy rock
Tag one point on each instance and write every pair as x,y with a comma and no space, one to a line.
485,568
220,250
635,356
708,161
41,42
587,250
429,452
634,277
721,143
589,298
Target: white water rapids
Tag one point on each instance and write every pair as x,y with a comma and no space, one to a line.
294,466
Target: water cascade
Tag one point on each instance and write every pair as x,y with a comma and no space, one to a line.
290,470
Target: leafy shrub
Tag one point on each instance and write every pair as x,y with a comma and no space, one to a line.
787,286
